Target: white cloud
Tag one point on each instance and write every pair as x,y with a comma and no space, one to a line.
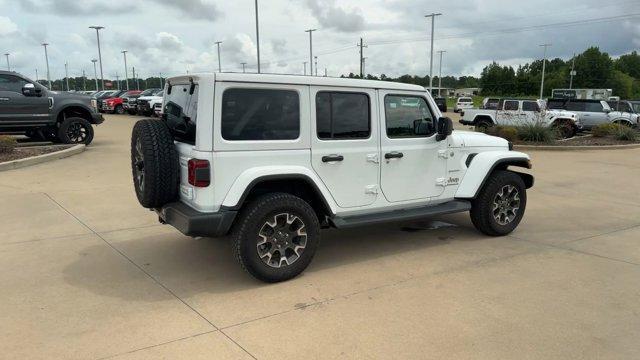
7,26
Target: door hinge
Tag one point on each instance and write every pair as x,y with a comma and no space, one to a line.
371,189
443,154
441,181
373,158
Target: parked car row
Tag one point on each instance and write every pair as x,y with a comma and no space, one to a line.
134,102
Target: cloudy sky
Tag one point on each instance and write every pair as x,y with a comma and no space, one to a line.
173,36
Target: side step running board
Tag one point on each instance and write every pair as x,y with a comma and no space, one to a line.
401,214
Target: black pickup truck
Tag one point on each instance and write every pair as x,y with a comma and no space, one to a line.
28,107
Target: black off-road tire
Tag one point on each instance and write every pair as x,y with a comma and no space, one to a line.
153,152
245,235
481,207
75,130
482,125
565,129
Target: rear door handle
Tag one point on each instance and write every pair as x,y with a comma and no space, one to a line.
393,155
332,158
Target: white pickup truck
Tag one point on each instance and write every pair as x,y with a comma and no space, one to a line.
513,112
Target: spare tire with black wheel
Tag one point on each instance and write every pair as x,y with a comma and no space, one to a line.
75,130
154,163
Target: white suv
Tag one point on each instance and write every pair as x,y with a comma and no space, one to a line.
463,103
272,159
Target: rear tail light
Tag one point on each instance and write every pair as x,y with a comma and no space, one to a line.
199,173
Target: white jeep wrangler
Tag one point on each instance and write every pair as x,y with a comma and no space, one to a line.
272,159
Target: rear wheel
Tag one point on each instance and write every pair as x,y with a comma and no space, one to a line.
482,125
500,204
75,130
276,236
565,128
154,163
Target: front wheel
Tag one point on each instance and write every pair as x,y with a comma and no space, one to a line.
119,110
276,236
75,130
500,204
565,129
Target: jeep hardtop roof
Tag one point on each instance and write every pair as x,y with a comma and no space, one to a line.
298,80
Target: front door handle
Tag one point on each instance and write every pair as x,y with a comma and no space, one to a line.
332,158
393,155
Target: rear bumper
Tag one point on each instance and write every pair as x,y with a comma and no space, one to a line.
192,222
97,118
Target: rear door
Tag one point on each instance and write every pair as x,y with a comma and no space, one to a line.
18,108
531,112
510,113
413,163
345,143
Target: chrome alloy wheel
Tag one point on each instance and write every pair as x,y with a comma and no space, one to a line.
506,204
282,240
139,165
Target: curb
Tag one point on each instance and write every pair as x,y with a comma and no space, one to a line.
34,160
576,147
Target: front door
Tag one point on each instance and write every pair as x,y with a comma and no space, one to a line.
413,163
17,108
345,143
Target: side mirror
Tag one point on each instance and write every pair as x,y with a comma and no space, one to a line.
30,90
445,128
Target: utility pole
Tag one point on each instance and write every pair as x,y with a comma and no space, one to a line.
36,75
325,72
8,66
316,59
544,62
161,81
257,36
66,74
364,63
118,80
440,73
46,57
305,67
126,71
136,79
362,46
433,21
98,28
573,71
310,31
219,60
84,81
95,72
243,65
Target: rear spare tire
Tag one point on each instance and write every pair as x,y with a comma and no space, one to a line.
154,163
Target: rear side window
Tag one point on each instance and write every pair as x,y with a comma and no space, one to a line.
511,105
260,114
11,83
555,104
530,106
575,106
180,112
341,115
594,107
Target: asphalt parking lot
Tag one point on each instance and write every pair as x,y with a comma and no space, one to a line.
85,273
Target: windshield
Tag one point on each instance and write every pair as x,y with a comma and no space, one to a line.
636,106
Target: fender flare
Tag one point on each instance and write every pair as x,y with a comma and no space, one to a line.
483,164
245,182
483,116
622,119
63,105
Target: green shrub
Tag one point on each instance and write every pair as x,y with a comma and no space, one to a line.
537,133
624,133
603,130
7,144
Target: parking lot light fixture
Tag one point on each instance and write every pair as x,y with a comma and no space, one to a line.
95,72
257,36
544,62
97,29
126,71
46,57
433,20
440,73
219,60
310,31
8,65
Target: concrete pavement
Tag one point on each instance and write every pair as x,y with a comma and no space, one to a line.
87,273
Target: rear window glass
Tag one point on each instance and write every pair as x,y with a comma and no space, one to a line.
594,107
511,105
180,112
260,114
465,100
530,106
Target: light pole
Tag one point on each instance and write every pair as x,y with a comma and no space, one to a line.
440,73
8,66
36,75
257,37
126,71
243,65
573,71
118,80
433,21
544,62
305,67
66,74
310,31
219,60
95,72
84,80
46,57
98,28
316,59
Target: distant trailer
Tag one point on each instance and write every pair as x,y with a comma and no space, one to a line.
583,94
